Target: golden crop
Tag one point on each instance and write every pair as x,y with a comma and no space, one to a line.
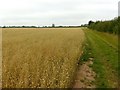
0,57
40,58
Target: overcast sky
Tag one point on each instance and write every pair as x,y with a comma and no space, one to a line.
59,12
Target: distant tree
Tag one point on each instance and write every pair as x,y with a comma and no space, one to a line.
90,22
83,25
53,25
4,27
60,26
23,26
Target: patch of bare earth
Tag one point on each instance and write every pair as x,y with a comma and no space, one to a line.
85,76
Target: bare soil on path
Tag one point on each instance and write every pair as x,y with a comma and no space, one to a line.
85,76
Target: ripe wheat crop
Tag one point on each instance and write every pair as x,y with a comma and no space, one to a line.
40,58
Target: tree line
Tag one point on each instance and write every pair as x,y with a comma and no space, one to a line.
53,26
110,26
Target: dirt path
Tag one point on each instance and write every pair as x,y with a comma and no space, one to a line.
85,76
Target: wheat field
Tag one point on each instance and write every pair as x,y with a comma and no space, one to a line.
40,57
0,57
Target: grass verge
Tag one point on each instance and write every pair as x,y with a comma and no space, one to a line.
105,55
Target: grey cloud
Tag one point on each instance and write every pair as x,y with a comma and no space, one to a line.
60,12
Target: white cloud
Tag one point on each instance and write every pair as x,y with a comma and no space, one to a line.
65,12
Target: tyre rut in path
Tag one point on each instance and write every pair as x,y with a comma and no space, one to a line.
85,76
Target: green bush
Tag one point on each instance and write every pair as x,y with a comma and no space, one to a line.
111,26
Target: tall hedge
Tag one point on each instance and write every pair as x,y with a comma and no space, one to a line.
111,26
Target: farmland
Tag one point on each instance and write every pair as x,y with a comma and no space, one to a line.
59,58
0,57
40,58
